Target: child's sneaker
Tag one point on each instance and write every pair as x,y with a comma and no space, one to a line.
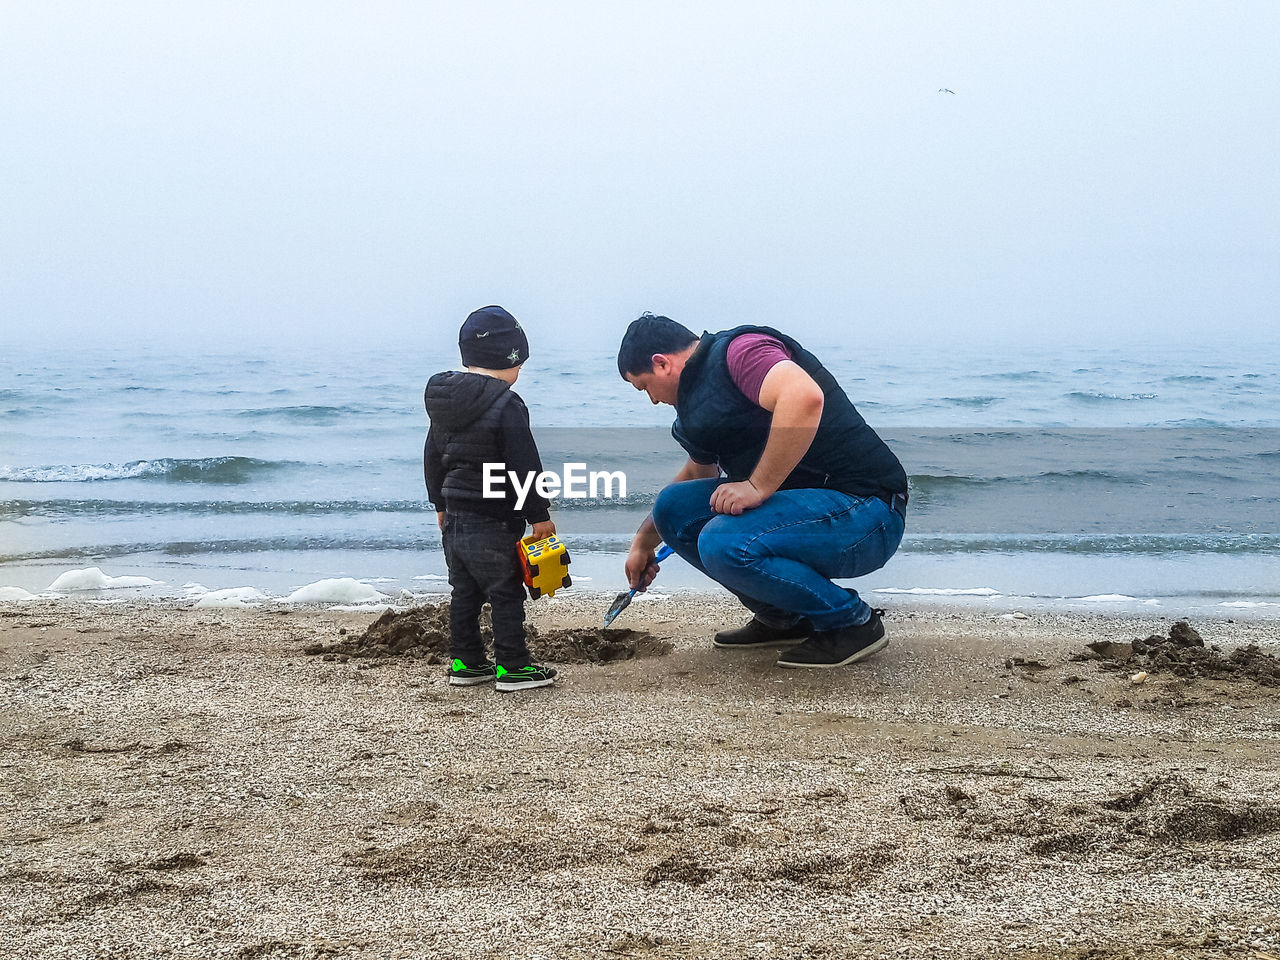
525,678
460,675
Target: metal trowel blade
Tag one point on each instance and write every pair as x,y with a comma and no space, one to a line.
620,603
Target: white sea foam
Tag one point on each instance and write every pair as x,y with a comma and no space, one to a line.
14,593
208,470
1247,604
431,576
233,598
77,472
941,591
93,578
339,590
361,607
1108,598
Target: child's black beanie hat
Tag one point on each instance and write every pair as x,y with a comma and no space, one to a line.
493,339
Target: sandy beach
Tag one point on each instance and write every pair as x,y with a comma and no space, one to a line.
194,783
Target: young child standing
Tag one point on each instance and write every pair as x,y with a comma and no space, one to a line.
476,418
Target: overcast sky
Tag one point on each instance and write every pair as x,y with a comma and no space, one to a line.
245,170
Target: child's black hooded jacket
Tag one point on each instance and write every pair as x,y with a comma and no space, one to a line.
476,419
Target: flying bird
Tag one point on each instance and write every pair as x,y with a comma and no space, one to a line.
946,90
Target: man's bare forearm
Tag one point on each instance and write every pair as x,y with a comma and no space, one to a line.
647,536
795,422
693,470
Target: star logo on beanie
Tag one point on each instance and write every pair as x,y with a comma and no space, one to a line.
514,356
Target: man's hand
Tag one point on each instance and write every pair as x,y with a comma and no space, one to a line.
440,519
734,498
640,567
546,528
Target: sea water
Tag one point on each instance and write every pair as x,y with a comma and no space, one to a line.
1093,478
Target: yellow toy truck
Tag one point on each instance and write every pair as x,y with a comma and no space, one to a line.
546,566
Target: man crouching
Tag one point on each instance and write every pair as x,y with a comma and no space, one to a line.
786,487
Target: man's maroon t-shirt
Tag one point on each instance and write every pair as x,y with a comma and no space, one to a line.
750,357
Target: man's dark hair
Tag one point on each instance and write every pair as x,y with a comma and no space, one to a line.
648,335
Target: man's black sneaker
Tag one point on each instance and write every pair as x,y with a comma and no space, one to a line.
758,634
460,675
525,678
835,648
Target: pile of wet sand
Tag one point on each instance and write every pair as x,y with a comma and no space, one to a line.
423,633
1184,654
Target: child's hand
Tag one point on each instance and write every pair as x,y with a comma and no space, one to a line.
546,528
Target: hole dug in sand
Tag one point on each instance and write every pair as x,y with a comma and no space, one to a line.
423,633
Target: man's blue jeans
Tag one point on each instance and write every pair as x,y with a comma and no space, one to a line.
780,558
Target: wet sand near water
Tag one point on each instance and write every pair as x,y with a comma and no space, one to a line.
196,783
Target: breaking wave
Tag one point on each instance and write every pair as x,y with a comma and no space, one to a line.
205,470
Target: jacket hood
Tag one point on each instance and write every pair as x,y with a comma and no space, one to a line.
455,400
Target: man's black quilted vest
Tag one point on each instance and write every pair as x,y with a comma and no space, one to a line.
466,415
715,419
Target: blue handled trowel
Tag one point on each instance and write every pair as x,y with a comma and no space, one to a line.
624,599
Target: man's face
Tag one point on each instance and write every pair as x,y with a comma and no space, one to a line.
663,383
